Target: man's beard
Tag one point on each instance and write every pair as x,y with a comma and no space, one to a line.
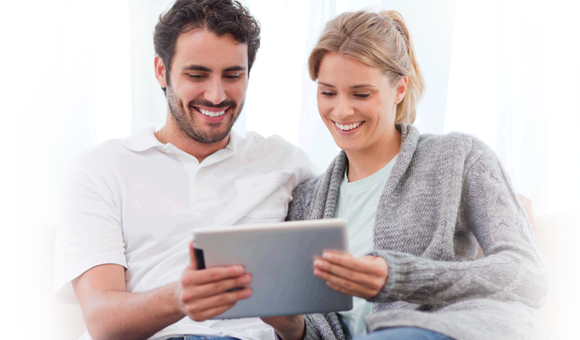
187,124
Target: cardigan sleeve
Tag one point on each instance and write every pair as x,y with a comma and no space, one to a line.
296,206
512,269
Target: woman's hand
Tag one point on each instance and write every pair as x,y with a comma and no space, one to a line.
363,277
289,327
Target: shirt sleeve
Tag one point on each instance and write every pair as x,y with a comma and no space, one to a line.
89,229
512,269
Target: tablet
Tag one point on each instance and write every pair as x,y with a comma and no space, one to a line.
280,258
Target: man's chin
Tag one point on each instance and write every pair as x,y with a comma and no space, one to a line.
209,137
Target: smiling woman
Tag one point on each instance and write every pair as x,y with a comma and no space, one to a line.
417,206
358,106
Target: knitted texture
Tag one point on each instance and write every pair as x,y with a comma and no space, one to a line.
444,195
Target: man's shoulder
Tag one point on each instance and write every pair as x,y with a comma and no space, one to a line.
254,140
273,147
274,153
105,156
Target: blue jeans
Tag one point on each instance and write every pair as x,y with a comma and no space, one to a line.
203,337
404,333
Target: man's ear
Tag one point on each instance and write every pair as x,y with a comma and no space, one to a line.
401,89
160,72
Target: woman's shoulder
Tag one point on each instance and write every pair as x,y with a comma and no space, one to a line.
453,144
305,190
302,196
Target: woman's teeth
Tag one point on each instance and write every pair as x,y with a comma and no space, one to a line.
212,114
348,126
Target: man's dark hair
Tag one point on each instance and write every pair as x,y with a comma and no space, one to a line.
217,16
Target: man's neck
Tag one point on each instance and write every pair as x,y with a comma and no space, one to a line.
199,150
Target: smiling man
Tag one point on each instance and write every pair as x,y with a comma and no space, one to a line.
124,248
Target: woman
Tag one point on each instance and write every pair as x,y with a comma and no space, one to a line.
431,200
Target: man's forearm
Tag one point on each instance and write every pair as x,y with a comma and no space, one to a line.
115,314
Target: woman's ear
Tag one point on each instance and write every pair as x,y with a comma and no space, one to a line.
401,89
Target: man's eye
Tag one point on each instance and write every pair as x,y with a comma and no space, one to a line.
233,76
196,76
327,94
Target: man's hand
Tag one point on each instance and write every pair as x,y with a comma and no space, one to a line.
527,203
363,277
289,327
204,294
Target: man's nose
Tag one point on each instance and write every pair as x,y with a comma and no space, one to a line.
215,91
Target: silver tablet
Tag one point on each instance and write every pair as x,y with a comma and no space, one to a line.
280,258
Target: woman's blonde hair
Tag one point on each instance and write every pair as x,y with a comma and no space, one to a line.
379,40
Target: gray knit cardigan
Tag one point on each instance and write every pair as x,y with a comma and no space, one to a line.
444,195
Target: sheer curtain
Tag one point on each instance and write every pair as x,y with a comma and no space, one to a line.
81,72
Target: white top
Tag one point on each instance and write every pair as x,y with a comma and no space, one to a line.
135,202
357,203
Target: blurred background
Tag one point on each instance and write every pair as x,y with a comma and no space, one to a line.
78,73
81,72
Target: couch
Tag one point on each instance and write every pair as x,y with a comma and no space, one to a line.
41,317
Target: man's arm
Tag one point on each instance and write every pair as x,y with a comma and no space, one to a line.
110,312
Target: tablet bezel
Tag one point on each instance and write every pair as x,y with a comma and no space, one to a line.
280,258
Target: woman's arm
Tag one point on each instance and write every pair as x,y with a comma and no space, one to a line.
512,269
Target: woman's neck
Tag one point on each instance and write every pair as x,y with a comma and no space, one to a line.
366,162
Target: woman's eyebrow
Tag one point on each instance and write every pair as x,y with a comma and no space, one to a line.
324,84
352,87
360,86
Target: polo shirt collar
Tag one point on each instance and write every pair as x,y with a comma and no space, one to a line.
145,139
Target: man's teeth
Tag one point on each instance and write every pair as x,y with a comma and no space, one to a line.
212,114
348,126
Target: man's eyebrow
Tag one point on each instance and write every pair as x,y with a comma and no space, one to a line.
234,68
196,68
207,69
352,87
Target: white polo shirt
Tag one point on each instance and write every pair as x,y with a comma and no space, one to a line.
135,202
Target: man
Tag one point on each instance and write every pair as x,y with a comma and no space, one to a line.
130,205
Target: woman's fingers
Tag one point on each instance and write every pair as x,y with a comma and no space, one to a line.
365,264
362,277
349,287
348,267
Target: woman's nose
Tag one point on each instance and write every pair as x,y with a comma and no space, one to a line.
343,109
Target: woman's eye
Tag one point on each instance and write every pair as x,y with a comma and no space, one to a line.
362,95
327,94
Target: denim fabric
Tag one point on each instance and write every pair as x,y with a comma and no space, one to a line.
405,333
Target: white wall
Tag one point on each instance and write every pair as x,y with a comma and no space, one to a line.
78,79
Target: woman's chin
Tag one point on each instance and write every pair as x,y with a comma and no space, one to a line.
347,146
